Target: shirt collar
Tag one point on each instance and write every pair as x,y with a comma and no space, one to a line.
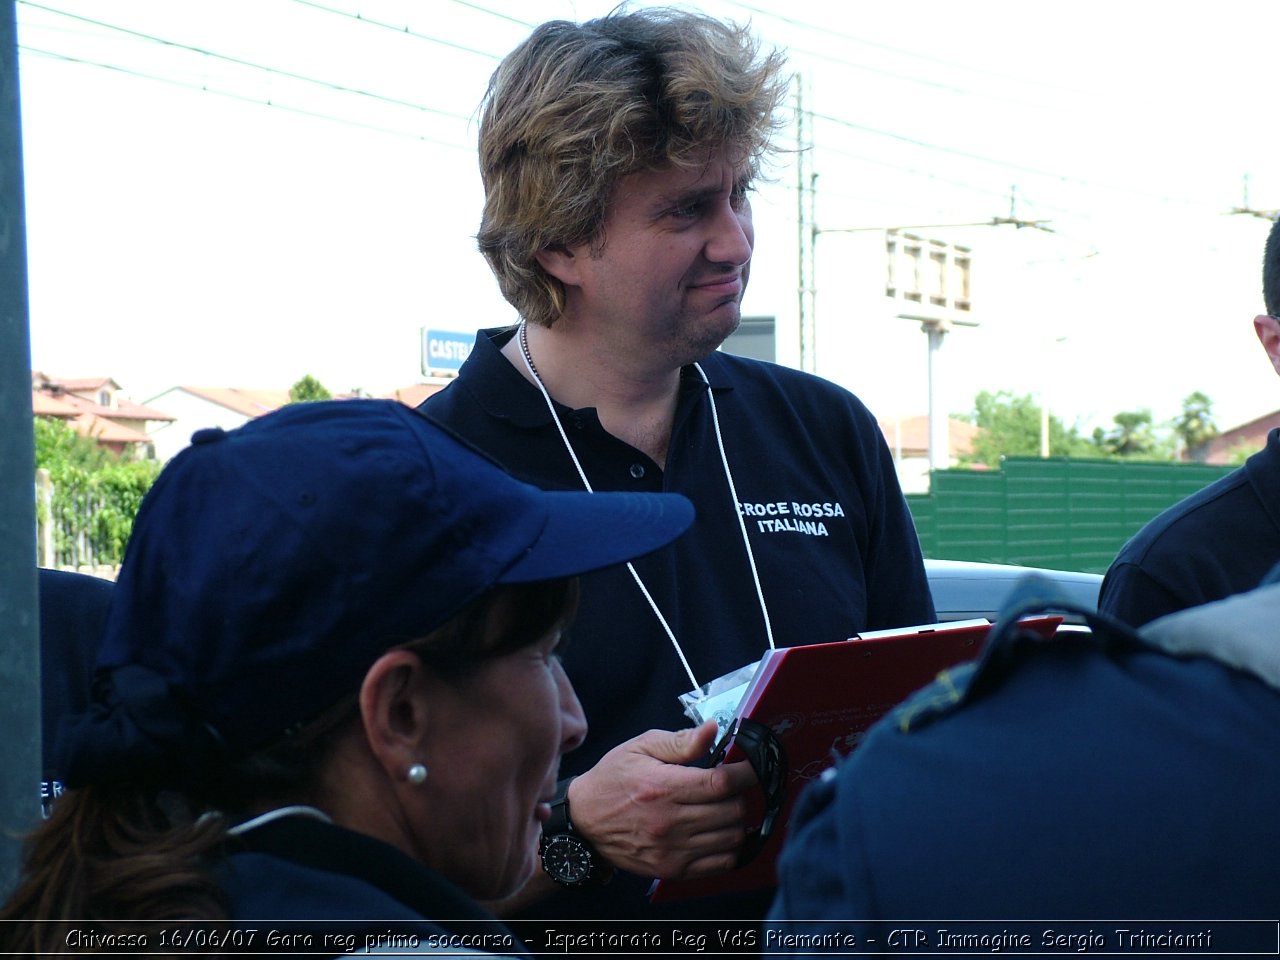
504,392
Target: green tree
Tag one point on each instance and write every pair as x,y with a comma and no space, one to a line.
1134,437
308,389
59,443
1241,452
1009,426
96,495
119,489
1195,426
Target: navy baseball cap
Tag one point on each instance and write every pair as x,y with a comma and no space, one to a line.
271,565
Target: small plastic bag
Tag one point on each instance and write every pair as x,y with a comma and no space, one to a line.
719,699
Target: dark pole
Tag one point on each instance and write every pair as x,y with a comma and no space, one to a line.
19,637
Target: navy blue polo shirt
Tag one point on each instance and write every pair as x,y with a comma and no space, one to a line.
1219,541
834,543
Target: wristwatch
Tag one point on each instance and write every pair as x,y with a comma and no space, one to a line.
567,857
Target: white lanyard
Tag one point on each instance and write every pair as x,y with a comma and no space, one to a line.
728,476
277,814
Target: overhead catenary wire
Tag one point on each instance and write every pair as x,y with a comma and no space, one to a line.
403,31
275,71
827,31
840,121
274,104
495,13
1009,164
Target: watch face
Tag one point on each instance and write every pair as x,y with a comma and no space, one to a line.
566,859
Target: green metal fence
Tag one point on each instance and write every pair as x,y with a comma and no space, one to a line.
1062,513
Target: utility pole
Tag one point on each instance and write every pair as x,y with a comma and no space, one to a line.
935,327
19,614
1249,211
806,186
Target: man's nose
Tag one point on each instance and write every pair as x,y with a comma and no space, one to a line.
732,235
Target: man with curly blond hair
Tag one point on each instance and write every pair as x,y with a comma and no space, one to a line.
618,157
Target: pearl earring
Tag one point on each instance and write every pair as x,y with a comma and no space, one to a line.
417,774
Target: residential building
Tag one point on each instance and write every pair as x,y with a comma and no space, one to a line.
1231,445
195,408
97,408
415,393
908,439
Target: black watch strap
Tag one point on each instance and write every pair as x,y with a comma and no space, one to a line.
559,821
560,824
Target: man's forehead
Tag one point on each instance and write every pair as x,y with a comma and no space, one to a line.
712,175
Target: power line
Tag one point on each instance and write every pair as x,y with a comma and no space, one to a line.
848,64
827,31
959,184
342,88
327,84
495,13
204,88
1023,168
403,31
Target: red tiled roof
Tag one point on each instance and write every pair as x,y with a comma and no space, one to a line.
41,380
250,403
123,410
105,431
85,384
46,405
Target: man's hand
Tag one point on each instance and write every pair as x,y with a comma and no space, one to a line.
646,813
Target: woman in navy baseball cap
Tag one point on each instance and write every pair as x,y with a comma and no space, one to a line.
328,694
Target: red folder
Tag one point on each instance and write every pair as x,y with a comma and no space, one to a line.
819,700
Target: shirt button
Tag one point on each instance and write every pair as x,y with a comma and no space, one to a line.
578,423
637,470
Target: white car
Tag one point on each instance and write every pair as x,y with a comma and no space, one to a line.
967,590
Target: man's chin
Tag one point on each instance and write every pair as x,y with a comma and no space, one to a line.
716,327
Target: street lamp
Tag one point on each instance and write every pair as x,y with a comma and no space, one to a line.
1044,413
936,328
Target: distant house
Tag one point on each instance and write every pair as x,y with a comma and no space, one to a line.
95,407
1247,438
415,393
908,439
195,408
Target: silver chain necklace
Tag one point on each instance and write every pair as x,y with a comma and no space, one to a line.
728,476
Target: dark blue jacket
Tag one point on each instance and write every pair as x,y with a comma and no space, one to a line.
307,880
1086,780
73,610
1218,541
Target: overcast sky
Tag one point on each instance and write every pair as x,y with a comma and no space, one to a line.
240,192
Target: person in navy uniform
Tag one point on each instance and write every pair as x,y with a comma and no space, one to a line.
328,699
1119,777
1220,540
73,610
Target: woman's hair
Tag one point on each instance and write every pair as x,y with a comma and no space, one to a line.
576,107
131,857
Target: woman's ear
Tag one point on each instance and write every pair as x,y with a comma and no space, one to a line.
560,262
393,706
